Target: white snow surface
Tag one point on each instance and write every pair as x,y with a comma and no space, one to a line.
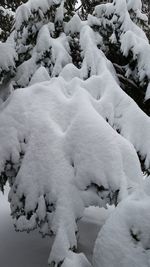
75,260
31,250
62,123
124,238
7,56
41,75
60,128
64,145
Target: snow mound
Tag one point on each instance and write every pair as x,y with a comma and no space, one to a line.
40,75
124,239
75,260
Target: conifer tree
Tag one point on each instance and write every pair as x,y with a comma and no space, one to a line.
74,134
115,29
6,23
11,4
146,8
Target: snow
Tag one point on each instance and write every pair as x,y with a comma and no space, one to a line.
74,136
125,33
60,54
7,56
91,61
134,5
63,123
43,40
25,72
74,25
131,37
32,250
141,52
40,75
24,12
6,12
60,12
76,260
73,126
24,249
57,49
124,239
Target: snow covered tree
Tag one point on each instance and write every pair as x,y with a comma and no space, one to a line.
87,7
117,28
7,68
11,4
71,137
7,13
6,23
146,8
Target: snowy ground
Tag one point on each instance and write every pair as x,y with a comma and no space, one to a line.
20,249
30,250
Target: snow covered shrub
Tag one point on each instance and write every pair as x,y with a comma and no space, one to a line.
74,135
